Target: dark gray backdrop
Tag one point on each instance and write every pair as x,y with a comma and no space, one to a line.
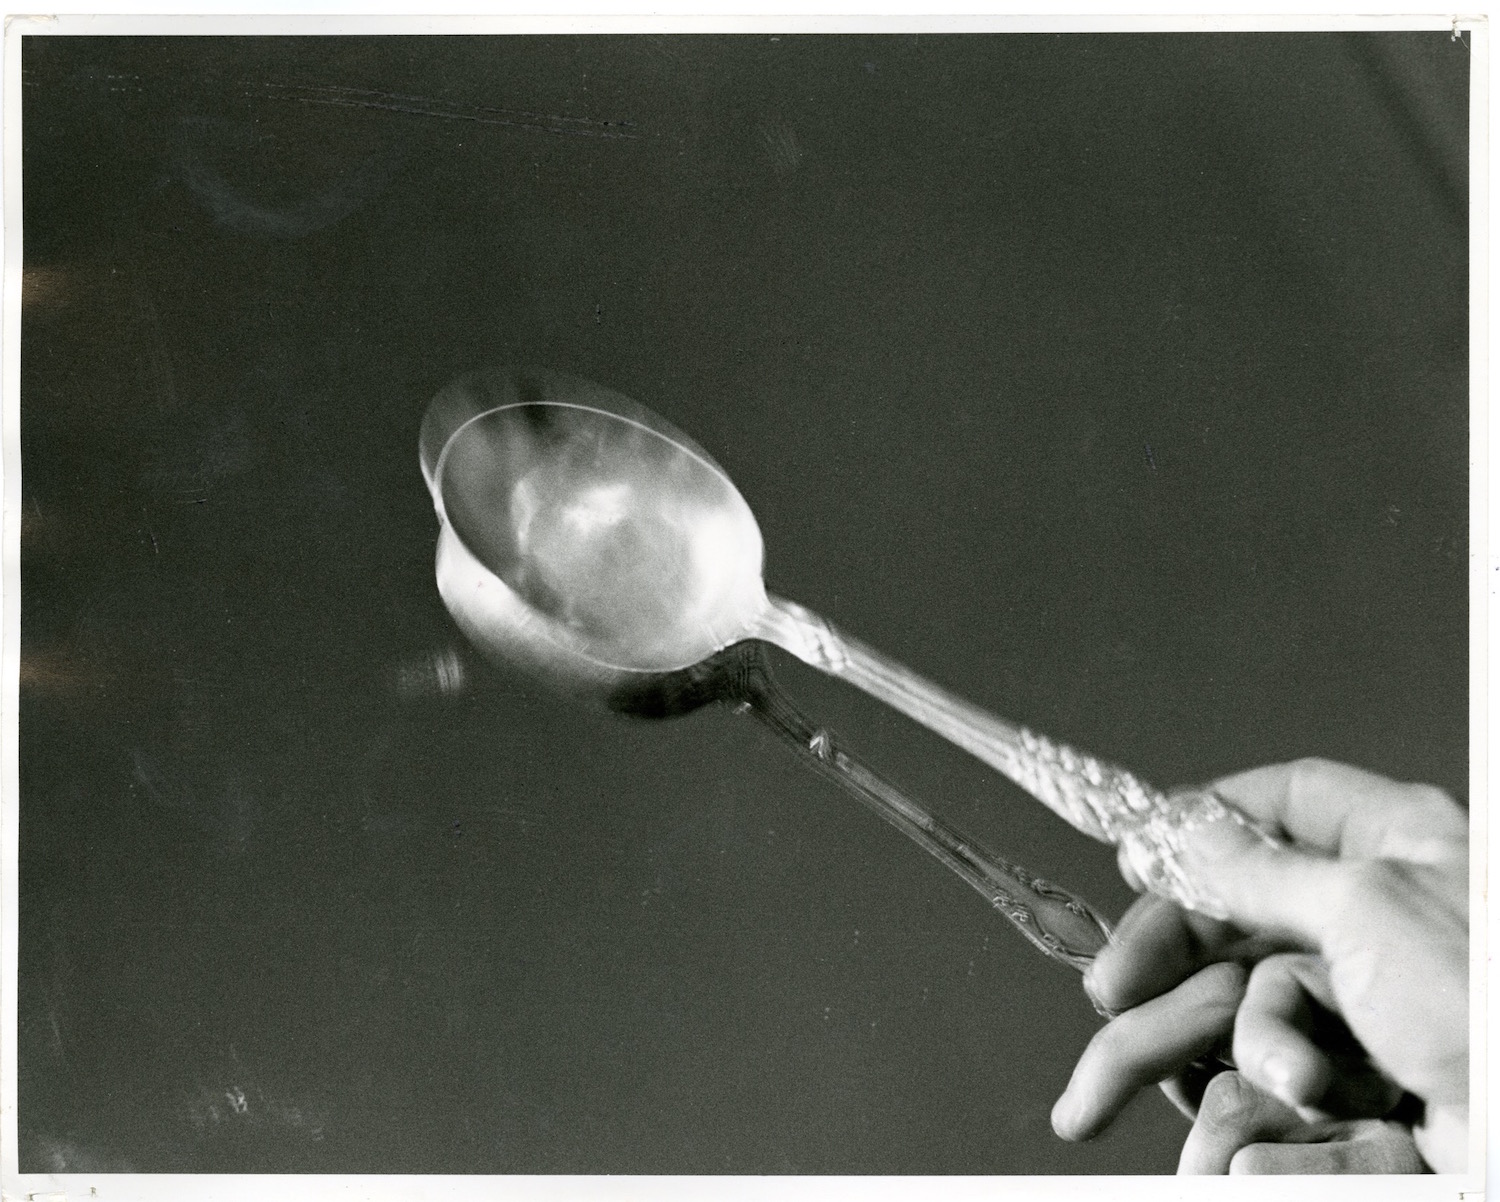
1118,383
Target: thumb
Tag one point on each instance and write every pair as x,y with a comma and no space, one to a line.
1264,888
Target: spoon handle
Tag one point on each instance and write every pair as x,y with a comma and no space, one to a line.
1058,923
1100,799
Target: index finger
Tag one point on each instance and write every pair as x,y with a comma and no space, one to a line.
1347,812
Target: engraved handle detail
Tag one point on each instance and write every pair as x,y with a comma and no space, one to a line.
1101,800
1057,922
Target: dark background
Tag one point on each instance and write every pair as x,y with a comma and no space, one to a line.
1118,383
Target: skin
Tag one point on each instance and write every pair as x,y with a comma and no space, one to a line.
1240,1129
1339,984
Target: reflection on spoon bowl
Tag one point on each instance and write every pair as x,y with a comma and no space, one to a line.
584,535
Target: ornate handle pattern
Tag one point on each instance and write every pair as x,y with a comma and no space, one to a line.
1104,802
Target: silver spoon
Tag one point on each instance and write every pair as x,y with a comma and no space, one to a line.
590,542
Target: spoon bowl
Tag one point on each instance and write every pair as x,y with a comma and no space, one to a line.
587,529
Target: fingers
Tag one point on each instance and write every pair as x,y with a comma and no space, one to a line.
1145,1045
1151,951
1290,1041
1233,1115
1155,946
1365,1146
1394,934
1272,1044
1241,1129
1345,811
1278,891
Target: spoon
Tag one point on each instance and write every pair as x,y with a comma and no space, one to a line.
589,542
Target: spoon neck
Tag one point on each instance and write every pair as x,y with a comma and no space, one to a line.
741,676
800,632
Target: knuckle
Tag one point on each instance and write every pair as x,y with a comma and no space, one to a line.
1115,1042
1132,1048
1366,887
1356,975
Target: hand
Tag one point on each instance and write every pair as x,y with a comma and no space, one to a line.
1370,900
1240,1129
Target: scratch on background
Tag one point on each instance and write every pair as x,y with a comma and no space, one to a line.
448,110
159,363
